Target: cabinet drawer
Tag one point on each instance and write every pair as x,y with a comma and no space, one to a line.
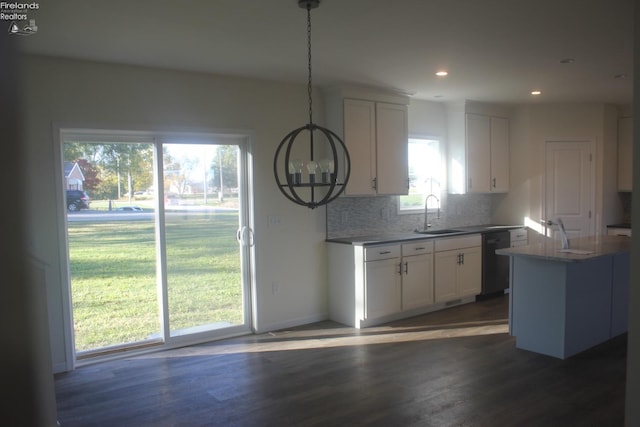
518,234
453,243
613,231
381,252
417,248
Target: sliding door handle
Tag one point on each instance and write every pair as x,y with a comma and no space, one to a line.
245,236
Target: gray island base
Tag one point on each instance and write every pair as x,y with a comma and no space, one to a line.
562,303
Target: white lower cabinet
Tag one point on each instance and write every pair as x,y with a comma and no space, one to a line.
458,267
417,278
373,284
382,292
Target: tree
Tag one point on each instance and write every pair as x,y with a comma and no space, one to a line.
130,161
112,166
82,150
176,173
91,179
225,167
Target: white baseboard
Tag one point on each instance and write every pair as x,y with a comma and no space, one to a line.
290,323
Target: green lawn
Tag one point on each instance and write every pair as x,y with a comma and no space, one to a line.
113,277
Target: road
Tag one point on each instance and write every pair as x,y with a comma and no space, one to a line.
93,215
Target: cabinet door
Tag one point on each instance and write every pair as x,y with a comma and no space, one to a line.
382,288
625,154
470,272
478,137
359,137
446,266
392,144
417,281
499,155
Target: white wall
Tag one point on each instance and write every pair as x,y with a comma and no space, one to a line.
427,119
27,395
530,127
86,94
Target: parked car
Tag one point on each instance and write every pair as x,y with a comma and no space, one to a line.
76,200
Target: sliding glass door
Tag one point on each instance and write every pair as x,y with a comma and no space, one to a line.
202,219
153,250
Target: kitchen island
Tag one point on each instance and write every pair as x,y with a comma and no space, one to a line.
562,302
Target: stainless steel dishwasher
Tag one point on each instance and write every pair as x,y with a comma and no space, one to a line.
495,268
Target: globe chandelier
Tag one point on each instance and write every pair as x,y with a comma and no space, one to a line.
311,165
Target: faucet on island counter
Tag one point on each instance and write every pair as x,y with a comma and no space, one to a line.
564,238
426,210
563,234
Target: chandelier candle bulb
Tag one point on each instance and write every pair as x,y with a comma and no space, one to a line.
312,166
326,167
295,169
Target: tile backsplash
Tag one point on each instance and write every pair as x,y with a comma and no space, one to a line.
358,216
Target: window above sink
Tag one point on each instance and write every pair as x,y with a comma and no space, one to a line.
426,175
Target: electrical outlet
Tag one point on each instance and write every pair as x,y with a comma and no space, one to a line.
275,287
273,221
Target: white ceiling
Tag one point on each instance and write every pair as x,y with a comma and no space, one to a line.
494,50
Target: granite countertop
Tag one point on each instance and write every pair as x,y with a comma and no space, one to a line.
383,238
582,249
622,225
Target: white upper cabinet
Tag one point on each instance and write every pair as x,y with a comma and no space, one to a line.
478,130
499,155
625,154
374,128
478,152
359,137
392,145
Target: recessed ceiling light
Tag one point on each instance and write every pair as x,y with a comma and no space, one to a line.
536,92
567,61
437,96
442,73
620,76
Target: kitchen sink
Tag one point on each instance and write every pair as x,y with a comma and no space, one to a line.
438,232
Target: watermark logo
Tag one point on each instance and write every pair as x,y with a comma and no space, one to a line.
26,30
17,16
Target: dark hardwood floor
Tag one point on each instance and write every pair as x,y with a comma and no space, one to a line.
457,367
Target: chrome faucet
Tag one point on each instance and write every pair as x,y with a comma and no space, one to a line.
426,210
563,234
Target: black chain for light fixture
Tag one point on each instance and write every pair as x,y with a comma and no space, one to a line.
309,5
292,169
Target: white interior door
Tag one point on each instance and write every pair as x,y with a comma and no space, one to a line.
569,186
